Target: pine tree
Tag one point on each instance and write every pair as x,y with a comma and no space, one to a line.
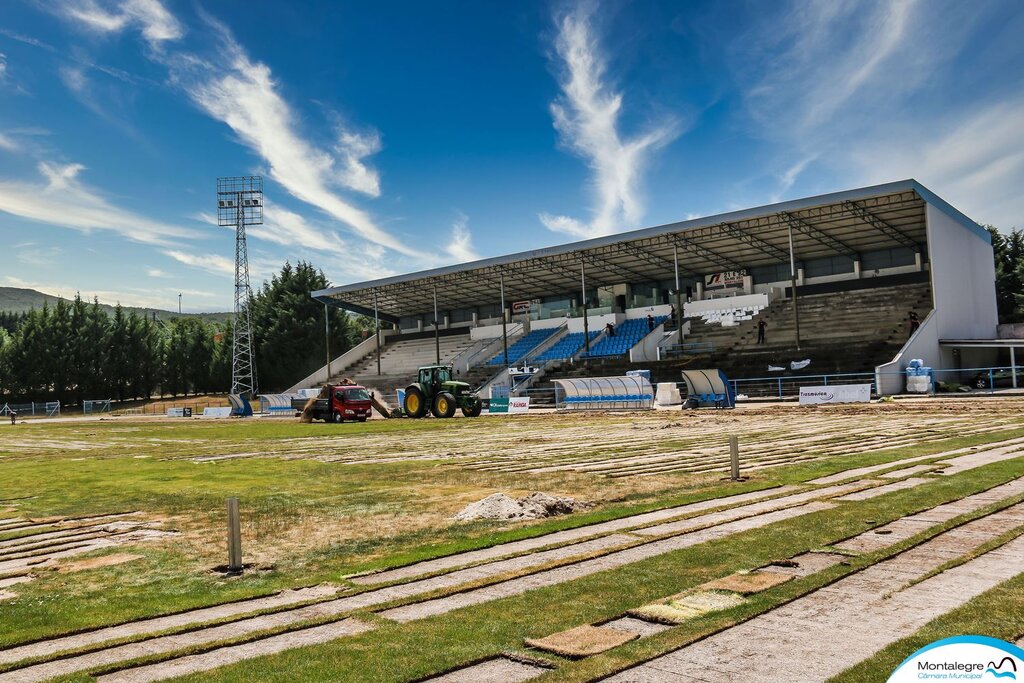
289,327
59,341
116,361
1009,262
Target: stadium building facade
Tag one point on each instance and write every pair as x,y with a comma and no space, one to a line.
860,260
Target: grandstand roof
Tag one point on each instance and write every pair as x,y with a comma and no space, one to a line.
842,223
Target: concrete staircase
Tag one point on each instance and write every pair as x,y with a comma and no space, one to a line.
840,332
400,360
849,331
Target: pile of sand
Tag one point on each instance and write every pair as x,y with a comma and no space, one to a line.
534,506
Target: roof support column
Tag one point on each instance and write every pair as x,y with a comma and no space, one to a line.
792,276
376,329
679,297
504,325
583,290
327,339
437,331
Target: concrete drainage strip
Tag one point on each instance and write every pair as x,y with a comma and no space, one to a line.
856,616
863,590
690,532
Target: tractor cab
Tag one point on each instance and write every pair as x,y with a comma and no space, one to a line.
436,392
435,376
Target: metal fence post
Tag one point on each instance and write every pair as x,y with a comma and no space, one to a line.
734,456
234,538
780,387
991,382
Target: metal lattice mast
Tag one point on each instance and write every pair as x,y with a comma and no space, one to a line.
240,203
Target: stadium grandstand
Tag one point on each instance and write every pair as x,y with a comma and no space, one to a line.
834,277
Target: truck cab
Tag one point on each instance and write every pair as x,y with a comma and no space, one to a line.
336,403
349,402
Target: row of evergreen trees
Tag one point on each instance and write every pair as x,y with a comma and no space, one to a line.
1009,254
74,350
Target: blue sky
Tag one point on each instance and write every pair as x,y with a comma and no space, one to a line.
406,135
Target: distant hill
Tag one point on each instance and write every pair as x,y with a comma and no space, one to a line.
17,300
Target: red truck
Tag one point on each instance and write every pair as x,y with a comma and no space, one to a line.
336,404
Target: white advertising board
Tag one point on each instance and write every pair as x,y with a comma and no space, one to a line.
519,404
211,411
510,405
836,393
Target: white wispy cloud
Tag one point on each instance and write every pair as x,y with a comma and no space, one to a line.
149,16
788,177
8,143
3,67
63,200
211,263
851,88
587,118
460,247
156,272
39,257
288,228
243,94
966,159
27,40
352,149
232,87
808,60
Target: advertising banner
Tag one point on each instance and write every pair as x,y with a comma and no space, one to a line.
509,405
728,278
521,307
837,393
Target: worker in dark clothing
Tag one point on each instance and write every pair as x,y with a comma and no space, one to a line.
14,416
914,322
650,323
610,329
761,325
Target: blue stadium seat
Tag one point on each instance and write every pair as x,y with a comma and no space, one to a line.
627,335
523,346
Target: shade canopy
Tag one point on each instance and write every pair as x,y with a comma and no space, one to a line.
840,224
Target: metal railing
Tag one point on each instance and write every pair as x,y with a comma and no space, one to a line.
789,385
989,379
90,407
32,409
689,348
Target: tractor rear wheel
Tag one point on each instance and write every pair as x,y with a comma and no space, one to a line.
444,404
472,410
415,402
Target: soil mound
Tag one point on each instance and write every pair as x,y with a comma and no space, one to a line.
536,505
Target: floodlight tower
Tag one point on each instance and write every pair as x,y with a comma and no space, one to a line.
240,203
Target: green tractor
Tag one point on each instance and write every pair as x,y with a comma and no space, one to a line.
437,392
